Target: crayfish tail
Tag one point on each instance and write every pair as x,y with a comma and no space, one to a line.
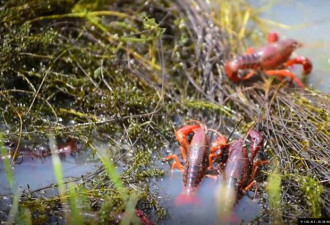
187,199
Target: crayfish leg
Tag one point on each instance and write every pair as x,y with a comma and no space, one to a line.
213,156
253,183
256,164
219,144
250,50
257,141
249,75
181,136
285,73
176,163
305,62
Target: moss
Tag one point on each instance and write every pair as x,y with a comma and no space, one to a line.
313,191
206,105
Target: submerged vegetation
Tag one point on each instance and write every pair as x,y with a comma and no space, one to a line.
127,74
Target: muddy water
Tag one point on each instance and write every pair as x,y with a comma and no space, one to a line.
309,23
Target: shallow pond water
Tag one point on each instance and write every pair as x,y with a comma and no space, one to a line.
206,212
38,173
309,23
210,195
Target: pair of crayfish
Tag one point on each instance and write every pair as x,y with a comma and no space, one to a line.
239,169
272,59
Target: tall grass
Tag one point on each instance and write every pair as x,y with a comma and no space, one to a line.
10,177
130,216
57,167
113,175
238,19
6,161
130,201
27,217
242,21
76,217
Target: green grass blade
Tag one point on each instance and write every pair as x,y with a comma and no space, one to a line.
8,169
76,217
14,209
57,167
112,173
28,217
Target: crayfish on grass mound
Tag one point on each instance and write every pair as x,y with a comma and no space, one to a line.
273,60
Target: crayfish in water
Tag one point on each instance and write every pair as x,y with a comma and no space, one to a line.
94,218
18,154
240,168
196,154
272,59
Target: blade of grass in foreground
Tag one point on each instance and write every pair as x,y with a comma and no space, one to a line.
112,173
76,217
117,182
10,177
6,162
28,217
130,216
57,167
14,209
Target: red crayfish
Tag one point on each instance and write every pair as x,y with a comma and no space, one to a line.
19,153
241,167
272,59
196,155
94,218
